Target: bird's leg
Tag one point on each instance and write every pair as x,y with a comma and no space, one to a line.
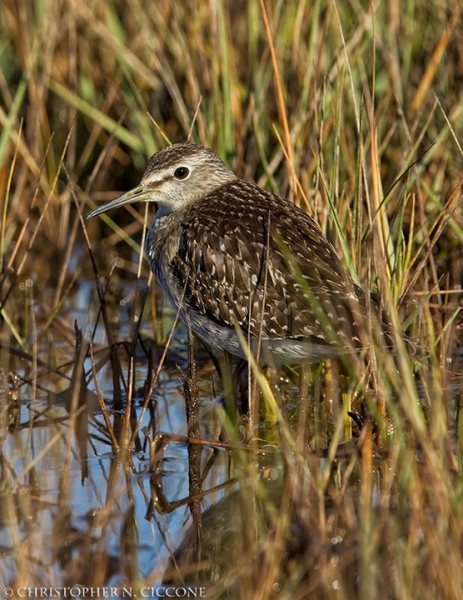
234,377
333,394
304,383
229,387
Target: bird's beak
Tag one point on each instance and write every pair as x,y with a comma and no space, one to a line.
138,194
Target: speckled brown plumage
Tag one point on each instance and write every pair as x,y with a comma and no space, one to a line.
236,255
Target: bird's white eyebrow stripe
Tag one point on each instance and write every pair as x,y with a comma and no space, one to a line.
150,180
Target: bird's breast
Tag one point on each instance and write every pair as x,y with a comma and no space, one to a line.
161,246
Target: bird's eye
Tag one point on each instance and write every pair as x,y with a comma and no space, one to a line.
181,172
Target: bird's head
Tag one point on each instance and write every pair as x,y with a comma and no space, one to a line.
175,177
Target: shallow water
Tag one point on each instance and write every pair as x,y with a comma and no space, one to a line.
76,513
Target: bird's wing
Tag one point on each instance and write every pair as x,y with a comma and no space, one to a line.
250,257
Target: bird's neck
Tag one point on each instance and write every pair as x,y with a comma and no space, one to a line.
162,211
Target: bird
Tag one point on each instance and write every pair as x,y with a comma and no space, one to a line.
234,257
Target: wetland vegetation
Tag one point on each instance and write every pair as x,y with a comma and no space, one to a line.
354,111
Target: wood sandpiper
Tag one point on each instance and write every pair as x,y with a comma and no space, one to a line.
230,254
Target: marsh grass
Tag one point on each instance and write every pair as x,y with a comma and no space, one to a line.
352,110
